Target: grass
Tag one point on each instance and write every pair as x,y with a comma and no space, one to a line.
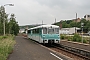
6,46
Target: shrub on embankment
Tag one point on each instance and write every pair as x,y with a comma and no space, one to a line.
63,36
6,46
75,38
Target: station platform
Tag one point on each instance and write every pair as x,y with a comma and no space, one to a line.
26,49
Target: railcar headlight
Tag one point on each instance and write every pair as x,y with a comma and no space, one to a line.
45,40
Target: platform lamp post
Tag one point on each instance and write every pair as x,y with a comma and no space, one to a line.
82,30
4,16
75,23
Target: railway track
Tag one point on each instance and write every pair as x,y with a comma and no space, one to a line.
84,54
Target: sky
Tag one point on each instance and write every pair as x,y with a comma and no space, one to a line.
29,12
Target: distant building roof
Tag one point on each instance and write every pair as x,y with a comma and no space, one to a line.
77,20
87,17
70,28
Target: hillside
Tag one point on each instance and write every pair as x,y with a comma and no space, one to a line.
29,26
72,23
67,24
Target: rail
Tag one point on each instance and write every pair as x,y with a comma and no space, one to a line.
80,52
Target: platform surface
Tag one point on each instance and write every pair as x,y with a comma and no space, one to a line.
26,49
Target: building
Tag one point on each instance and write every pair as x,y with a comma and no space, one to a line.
77,20
64,31
87,17
69,30
21,30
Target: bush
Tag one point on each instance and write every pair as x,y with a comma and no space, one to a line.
70,38
6,46
62,36
84,41
4,37
1,37
76,38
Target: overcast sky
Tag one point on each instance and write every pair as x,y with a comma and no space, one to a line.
34,11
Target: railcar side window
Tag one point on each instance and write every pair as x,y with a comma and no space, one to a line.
33,31
44,30
37,31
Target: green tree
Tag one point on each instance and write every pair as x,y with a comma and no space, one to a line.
13,25
73,24
2,18
64,24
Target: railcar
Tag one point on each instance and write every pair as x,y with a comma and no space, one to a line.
44,34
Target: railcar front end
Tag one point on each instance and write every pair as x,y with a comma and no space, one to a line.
51,35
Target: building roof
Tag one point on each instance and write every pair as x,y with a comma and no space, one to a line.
70,28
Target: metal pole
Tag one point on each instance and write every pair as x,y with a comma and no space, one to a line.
42,22
82,31
4,25
75,22
82,34
89,39
55,20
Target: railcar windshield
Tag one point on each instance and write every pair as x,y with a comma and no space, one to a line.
56,30
50,30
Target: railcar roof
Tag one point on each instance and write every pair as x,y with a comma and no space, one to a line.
53,26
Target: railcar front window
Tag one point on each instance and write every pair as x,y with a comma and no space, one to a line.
50,30
44,30
56,30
